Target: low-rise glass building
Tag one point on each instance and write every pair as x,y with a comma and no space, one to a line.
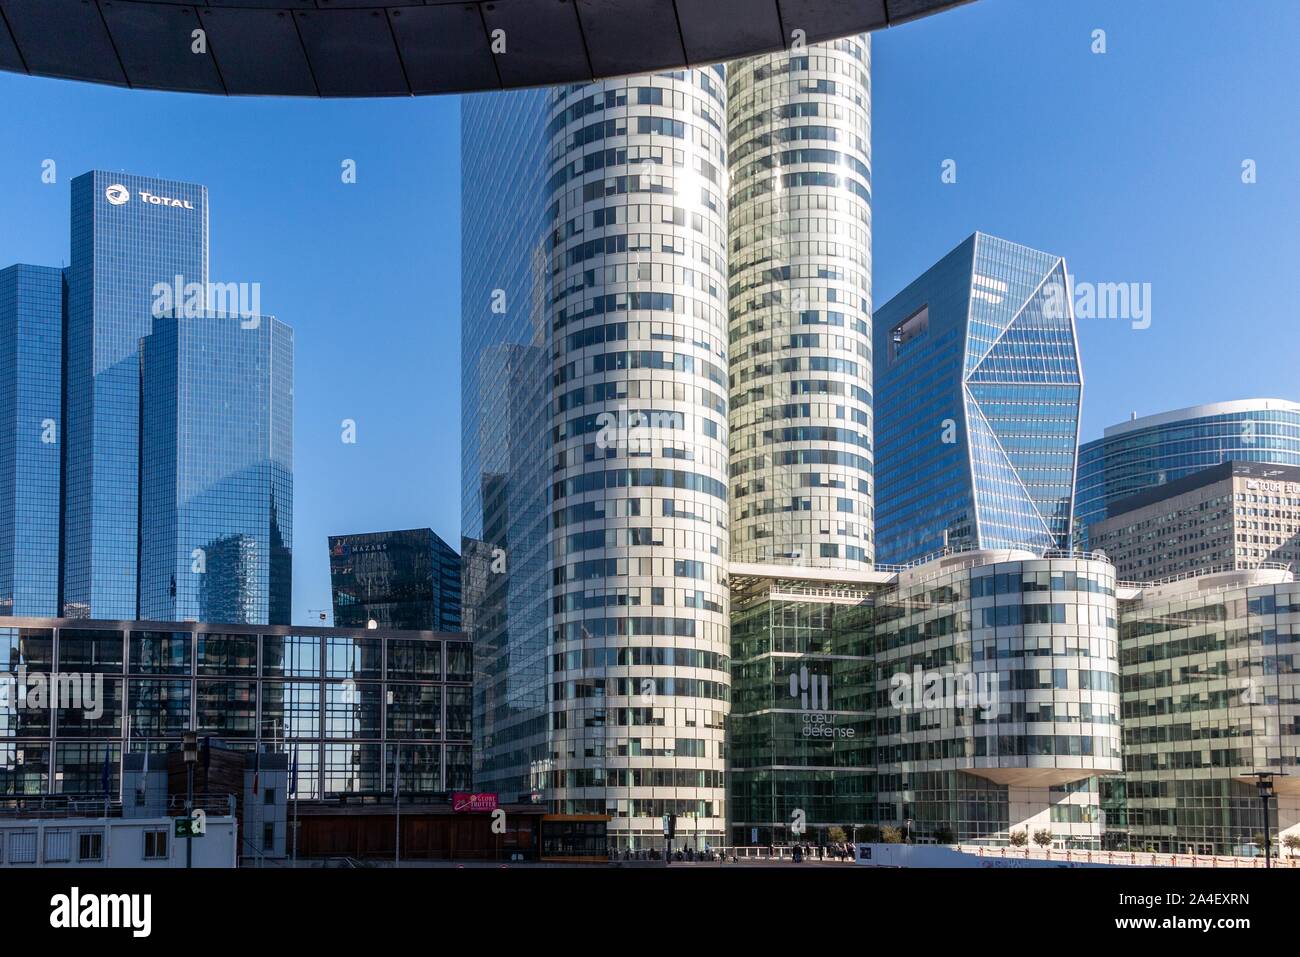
1211,697
344,701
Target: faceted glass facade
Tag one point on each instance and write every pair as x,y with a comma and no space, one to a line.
123,243
799,130
31,377
1134,456
216,496
799,735
978,388
408,579
344,701
1211,695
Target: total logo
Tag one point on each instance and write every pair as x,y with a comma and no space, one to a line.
119,195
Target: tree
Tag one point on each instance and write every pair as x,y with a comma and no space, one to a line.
835,834
891,835
1292,843
1018,838
870,833
943,835
1043,837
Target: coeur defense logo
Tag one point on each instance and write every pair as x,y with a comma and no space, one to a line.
119,195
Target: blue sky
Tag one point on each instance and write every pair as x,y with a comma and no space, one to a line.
1128,163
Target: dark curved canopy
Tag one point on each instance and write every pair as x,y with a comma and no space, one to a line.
405,47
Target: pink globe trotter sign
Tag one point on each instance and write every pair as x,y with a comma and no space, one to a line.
466,803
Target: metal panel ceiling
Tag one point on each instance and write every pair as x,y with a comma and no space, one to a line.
408,47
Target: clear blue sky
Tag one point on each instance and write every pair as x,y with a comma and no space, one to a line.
1127,163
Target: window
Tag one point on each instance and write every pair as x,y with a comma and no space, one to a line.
58,846
269,796
22,847
268,837
90,846
155,845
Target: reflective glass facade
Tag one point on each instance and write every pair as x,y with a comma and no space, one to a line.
343,700
123,243
408,579
978,388
800,731
216,497
1211,695
31,440
1134,456
799,129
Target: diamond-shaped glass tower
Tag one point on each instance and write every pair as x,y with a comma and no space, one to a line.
978,388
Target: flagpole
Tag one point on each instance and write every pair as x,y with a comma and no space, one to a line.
121,778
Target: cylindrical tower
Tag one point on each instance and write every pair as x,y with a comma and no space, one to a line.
799,132
637,333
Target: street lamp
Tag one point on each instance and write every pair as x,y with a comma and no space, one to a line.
190,751
1264,782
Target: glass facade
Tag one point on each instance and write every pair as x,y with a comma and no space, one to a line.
1134,456
409,579
505,421
216,445
128,234
31,443
978,387
1211,695
799,735
799,268
344,701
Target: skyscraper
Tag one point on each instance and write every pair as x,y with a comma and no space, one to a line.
216,496
978,388
31,439
129,233
1134,456
408,579
799,268
628,306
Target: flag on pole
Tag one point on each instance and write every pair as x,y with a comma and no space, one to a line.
397,772
257,767
143,782
104,773
293,772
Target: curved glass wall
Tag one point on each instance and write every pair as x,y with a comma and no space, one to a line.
1133,457
799,129
636,325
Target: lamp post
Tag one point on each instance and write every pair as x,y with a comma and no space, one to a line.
190,750
1264,782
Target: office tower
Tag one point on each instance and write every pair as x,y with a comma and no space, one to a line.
619,272
1211,698
1238,514
216,462
978,387
1144,452
799,268
408,579
31,439
129,233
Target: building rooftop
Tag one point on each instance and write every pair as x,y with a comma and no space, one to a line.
1236,406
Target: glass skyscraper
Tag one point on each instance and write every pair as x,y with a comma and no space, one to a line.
31,439
1142,453
595,298
216,496
978,388
408,579
799,268
129,233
